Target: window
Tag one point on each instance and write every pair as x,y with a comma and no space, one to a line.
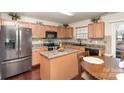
82,32
120,33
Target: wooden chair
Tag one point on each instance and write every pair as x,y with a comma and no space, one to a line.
87,53
80,56
83,74
122,55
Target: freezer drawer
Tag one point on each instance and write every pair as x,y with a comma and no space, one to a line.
15,67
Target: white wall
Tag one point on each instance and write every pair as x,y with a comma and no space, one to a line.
29,19
109,20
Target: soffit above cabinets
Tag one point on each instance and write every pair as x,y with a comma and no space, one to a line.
60,17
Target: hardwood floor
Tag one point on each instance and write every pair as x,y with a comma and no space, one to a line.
34,74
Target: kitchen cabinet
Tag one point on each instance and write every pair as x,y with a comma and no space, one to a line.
51,28
69,32
36,55
61,32
65,32
38,31
62,67
96,30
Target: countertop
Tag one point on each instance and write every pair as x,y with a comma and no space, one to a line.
108,70
56,53
89,46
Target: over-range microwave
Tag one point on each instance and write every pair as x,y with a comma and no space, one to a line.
51,35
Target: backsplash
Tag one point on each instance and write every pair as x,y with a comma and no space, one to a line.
40,42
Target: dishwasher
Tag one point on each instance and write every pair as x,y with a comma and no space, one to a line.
93,52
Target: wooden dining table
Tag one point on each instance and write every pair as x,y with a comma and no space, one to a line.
105,71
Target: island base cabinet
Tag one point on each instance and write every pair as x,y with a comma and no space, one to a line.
60,68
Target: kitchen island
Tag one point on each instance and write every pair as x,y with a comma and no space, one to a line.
57,65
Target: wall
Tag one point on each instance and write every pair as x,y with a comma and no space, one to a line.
29,19
109,40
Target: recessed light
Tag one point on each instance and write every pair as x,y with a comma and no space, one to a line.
67,13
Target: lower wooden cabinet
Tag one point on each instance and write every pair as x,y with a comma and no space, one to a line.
36,55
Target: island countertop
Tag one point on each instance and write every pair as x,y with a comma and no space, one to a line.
56,53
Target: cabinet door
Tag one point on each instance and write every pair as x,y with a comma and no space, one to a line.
54,28
42,31
38,31
47,28
66,33
35,57
70,32
51,28
90,30
58,32
99,30
61,32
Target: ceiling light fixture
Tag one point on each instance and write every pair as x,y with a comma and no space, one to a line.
67,13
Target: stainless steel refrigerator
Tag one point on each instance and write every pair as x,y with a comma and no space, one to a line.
15,51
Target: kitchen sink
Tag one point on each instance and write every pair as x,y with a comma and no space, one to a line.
93,60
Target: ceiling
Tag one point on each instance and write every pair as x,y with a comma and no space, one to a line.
61,18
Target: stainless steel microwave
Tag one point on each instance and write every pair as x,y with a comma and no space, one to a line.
51,35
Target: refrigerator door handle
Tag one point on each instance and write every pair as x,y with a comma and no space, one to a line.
19,60
17,40
20,32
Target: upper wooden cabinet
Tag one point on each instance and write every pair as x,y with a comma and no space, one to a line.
51,28
61,32
96,30
38,31
65,32
69,32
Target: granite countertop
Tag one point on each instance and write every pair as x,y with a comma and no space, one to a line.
56,53
90,46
